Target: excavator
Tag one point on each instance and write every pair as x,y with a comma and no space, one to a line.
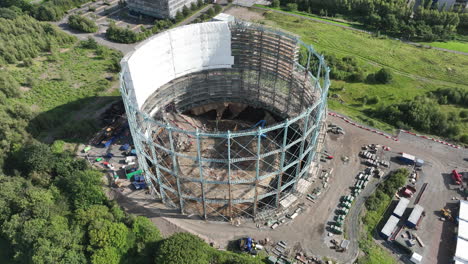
447,214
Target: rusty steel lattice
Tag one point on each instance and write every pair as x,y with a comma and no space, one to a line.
223,168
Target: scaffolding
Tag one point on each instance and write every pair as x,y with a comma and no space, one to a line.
223,167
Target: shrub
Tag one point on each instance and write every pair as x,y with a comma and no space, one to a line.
122,35
82,24
291,7
383,76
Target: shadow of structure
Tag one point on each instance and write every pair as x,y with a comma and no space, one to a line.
448,236
73,122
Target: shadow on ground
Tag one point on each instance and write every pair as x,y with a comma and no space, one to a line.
74,122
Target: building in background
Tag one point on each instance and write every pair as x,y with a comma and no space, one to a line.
158,8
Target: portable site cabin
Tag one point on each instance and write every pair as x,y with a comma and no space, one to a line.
389,228
407,158
415,215
401,207
416,258
463,229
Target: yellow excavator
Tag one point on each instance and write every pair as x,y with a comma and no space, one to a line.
447,214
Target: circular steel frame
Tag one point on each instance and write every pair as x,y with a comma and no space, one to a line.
249,171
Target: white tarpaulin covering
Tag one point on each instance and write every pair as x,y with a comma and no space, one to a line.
463,210
463,229
178,52
461,253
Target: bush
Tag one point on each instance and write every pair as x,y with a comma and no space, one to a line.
82,24
121,35
291,7
383,76
7,13
275,3
464,113
217,8
90,43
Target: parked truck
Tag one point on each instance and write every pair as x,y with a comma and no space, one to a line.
410,159
457,177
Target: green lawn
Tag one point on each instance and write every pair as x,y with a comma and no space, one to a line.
65,90
416,70
76,73
349,24
451,45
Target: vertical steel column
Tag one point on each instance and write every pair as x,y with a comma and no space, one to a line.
301,150
283,154
229,172
175,169
158,172
318,72
257,169
202,180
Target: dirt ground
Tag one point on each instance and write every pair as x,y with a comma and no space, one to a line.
307,231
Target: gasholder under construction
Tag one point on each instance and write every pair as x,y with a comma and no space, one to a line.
225,116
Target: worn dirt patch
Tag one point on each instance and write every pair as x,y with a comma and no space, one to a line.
24,88
245,14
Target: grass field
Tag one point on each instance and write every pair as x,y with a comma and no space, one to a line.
416,70
343,23
451,45
67,88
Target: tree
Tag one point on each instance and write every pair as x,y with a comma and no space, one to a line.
145,233
107,255
84,188
200,3
291,7
8,85
185,11
183,248
82,24
179,16
35,157
104,233
217,8
275,3
211,12
193,6
383,76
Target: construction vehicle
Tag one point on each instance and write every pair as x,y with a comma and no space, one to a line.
247,244
447,213
457,177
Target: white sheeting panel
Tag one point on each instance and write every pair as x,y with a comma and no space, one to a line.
463,229
463,210
461,253
178,52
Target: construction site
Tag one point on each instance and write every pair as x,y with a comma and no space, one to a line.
224,132
225,120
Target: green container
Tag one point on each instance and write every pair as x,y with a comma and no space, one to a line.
98,159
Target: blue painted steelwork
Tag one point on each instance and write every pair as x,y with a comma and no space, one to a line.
293,142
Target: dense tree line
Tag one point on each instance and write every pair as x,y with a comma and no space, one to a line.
82,24
23,37
394,17
456,96
54,211
423,114
51,10
126,35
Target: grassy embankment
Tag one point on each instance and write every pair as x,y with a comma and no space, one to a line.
459,44
376,205
65,89
417,71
